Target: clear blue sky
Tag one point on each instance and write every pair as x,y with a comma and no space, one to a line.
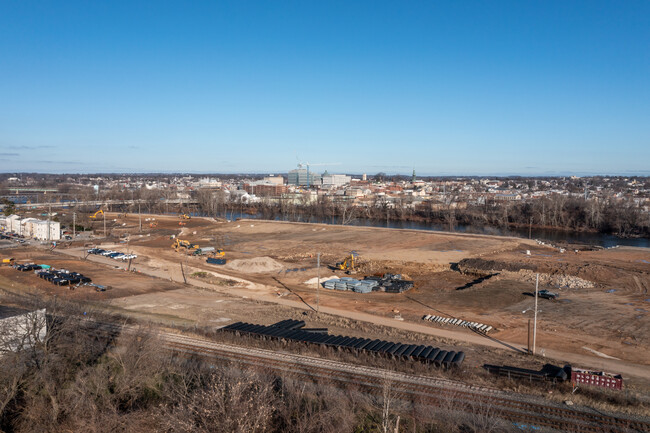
457,87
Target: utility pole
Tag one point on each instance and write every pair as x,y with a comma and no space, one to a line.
535,319
49,215
74,225
104,215
318,284
530,228
139,215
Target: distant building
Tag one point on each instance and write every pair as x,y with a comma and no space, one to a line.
335,180
299,177
33,228
40,230
276,180
265,188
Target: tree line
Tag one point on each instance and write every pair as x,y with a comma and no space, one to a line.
611,216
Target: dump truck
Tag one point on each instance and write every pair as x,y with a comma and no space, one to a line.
9,261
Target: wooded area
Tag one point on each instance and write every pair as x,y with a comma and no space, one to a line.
80,379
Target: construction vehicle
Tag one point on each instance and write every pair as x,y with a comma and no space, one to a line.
182,223
8,261
94,216
184,216
179,243
153,225
209,250
346,265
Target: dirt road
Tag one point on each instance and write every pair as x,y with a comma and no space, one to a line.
267,293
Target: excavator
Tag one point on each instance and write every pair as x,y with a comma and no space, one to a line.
153,224
346,265
94,216
184,244
184,216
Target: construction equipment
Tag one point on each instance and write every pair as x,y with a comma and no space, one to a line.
184,216
182,223
153,225
179,243
8,261
346,265
209,250
94,216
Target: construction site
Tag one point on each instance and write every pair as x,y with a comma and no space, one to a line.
455,291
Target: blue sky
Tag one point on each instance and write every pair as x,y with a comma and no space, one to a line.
457,87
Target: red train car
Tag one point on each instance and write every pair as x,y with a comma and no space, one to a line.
596,378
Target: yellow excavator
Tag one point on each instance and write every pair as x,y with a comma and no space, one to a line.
184,216
179,243
346,265
94,216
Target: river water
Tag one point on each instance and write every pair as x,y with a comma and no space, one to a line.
599,239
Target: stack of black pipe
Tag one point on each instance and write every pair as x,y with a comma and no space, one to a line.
295,330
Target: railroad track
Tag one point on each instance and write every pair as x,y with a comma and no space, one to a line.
440,392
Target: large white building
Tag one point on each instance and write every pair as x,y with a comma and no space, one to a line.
20,329
275,180
32,228
335,180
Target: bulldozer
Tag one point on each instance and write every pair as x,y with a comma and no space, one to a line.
94,216
347,264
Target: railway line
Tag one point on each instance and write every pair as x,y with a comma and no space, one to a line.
439,392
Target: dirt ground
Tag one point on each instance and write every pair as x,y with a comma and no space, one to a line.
607,321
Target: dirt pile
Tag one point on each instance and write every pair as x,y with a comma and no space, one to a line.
482,266
556,280
256,265
557,276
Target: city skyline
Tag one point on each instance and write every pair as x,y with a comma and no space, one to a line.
534,89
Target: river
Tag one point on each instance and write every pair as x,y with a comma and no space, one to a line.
587,238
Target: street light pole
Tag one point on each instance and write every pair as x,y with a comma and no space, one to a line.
535,319
318,285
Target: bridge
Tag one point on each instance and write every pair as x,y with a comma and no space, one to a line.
101,203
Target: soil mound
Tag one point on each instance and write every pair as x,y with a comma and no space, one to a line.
258,264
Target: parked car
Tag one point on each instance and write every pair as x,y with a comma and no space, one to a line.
547,295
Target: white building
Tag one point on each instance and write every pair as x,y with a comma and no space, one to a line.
275,180
34,228
40,230
20,329
335,180
13,223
